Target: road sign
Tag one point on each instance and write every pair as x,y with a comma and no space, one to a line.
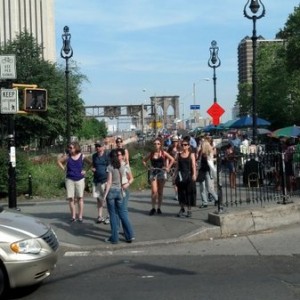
8,67
9,101
216,111
192,107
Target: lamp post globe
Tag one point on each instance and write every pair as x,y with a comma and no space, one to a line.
66,53
254,11
214,62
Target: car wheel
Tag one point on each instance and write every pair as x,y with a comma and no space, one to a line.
3,281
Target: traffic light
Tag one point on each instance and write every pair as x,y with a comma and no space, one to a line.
35,100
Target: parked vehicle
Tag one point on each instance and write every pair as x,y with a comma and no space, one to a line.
28,250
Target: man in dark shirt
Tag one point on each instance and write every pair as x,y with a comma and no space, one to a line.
100,160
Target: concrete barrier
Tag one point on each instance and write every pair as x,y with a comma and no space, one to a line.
256,219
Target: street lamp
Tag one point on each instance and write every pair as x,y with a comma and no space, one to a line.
214,62
66,53
254,7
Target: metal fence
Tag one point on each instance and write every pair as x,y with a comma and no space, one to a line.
259,178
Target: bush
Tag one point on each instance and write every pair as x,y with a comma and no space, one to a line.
22,172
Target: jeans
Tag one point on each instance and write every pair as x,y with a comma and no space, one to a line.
117,209
207,186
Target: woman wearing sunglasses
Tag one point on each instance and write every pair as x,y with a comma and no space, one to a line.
185,177
119,178
119,145
160,163
73,164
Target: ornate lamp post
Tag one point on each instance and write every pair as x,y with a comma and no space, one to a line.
66,53
214,62
257,13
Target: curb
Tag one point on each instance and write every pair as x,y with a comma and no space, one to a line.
255,220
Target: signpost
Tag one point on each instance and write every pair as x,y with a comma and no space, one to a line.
216,111
8,66
10,106
9,101
195,107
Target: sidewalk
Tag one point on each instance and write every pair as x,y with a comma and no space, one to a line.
157,229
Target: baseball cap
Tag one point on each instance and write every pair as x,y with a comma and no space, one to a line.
175,138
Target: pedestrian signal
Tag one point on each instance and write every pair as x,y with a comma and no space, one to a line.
35,100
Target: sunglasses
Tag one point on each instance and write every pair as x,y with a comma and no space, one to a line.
118,142
185,144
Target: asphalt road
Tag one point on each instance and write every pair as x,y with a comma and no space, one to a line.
257,267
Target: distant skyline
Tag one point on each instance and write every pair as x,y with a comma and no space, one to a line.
133,49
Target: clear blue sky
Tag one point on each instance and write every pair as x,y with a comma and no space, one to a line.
162,47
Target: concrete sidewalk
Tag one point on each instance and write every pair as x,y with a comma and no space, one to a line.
158,229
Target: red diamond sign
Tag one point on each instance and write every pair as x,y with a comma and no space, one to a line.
216,111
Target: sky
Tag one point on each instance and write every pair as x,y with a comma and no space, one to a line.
133,49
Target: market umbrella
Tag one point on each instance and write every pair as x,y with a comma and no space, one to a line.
290,131
261,131
209,128
247,121
228,123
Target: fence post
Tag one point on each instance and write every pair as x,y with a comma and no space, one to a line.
283,179
219,182
29,185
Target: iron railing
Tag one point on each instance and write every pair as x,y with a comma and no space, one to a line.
260,178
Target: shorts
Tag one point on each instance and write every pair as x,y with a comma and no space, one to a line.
75,189
99,190
158,174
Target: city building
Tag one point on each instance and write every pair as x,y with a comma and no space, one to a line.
245,57
35,16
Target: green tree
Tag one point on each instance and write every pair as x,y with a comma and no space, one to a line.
33,69
92,129
278,77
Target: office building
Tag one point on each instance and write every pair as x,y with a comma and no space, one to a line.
35,16
245,57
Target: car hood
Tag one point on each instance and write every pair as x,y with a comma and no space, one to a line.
17,226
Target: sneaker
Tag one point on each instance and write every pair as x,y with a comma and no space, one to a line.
100,220
159,211
176,198
106,220
152,212
80,220
73,220
189,214
181,212
108,240
203,206
130,240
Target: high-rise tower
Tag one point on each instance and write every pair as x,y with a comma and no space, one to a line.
35,16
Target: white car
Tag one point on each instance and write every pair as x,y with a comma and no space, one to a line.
28,250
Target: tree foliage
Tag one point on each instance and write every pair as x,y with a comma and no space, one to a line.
92,129
278,77
33,69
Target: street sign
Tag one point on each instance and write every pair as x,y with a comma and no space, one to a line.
8,67
194,107
9,101
216,111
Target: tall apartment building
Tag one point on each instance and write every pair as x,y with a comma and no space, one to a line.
245,57
36,16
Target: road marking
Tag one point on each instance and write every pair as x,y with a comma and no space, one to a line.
102,253
77,253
